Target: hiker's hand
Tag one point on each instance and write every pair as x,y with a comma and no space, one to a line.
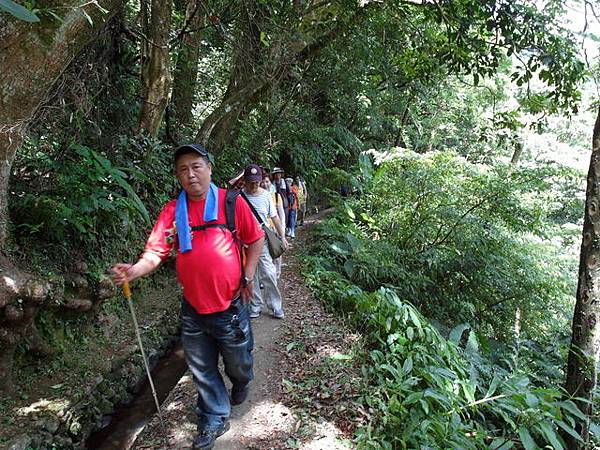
285,243
146,264
120,273
246,293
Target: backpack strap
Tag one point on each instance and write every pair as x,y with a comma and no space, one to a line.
230,202
258,218
209,225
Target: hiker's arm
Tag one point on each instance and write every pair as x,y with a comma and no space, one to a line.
253,252
147,263
280,230
281,213
158,247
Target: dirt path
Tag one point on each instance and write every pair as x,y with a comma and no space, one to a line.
286,409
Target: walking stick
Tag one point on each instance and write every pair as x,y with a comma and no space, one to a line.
127,294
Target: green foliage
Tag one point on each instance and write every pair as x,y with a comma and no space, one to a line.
447,233
303,146
149,165
313,149
476,46
332,182
89,192
76,196
468,245
465,243
386,87
424,393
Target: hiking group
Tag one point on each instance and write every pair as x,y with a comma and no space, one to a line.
225,269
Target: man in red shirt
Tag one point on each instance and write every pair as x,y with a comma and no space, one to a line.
216,288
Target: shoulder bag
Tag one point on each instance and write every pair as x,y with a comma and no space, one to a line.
274,242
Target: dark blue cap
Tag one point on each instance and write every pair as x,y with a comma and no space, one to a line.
192,148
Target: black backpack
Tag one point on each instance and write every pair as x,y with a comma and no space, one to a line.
230,201
284,195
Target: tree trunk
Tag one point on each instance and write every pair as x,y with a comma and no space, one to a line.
256,71
156,74
218,128
583,353
399,141
245,85
32,58
184,79
16,319
517,153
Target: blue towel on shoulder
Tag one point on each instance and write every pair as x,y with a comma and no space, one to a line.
211,213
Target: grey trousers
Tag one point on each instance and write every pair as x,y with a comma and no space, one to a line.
267,276
277,262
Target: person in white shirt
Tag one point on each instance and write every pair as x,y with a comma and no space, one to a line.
278,201
266,275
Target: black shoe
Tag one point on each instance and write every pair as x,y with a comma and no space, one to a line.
206,438
239,394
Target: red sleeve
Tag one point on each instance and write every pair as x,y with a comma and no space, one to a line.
248,227
163,235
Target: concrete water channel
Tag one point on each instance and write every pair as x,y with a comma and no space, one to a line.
129,420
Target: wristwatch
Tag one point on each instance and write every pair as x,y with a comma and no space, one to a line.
246,281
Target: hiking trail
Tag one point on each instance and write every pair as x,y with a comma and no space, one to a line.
294,403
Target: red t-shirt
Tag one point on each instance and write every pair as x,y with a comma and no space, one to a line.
210,272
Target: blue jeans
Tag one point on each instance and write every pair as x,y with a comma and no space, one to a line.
292,222
205,337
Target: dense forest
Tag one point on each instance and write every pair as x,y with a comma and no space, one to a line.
451,138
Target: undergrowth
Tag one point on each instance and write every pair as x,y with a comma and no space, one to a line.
468,247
